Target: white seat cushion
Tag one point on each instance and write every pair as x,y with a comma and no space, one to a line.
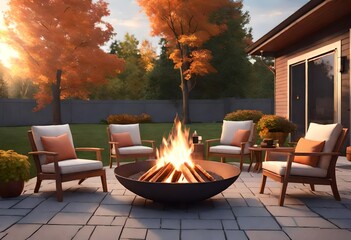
227,149
132,129
324,132
73,166
134,150
229,129
297,169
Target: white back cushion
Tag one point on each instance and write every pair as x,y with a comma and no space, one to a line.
132,129
324,132
49,131
229,129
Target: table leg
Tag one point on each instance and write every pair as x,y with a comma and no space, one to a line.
258,164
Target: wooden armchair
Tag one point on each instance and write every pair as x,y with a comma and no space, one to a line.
236,138
316,167
55,158
125,143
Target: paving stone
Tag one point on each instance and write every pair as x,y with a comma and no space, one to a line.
267,235
55,232
81,207
119,221
170,223
106,233
7,221
29,202
21,231
117,199
333,212
163,234
71,218
14,212
202,235
101,220
291,211
286,221
50,205
250,212
84,233
113,210
200,224
342,223
235,235
216,214
230,224
317,233
257,223
132,233
38,217
313,222
143,223
8,203
83,197
154,213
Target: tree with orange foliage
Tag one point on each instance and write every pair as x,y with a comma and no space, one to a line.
58,42
186,26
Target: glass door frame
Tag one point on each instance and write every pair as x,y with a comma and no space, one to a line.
336,47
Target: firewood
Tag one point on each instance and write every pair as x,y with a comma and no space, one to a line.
187,174
163,173
176,176
194,173
204,172
150,173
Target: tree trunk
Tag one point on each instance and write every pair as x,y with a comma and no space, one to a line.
185,94
56,100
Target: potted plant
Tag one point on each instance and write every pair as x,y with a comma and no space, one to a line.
242,115
275,127
14,171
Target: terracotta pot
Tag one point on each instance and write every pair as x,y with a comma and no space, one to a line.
280,136
11,189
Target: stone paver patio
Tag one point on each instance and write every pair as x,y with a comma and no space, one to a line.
239,212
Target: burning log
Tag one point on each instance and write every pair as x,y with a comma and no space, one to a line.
149,174
194,173
164,173
187,174
176,176
204,172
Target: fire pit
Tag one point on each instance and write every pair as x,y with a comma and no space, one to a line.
175,177
177,192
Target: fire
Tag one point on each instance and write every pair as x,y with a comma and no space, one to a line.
174,161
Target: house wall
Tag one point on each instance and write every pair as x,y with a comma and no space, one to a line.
333,33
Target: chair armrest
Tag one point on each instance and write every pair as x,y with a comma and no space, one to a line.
43,153
98,151
152,142
212,140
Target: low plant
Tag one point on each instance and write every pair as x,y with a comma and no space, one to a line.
128,118
274,123
243,115
13,166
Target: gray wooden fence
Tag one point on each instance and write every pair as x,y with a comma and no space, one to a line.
19,112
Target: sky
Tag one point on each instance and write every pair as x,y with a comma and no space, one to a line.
127,17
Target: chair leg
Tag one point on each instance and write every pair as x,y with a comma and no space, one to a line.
59,194
222,159
37,185
110,161
241,162
282,194
103,181
80,181
263,183
312,187
334,188
248,170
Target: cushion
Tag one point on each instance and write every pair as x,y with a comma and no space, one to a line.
124,139
305,145
133,130
60,144
49,130
227,149
229,128
324,132
297,169
136,150
240,136
73,166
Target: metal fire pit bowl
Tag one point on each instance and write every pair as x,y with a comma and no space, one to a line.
177,192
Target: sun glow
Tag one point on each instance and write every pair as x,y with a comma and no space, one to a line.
7,54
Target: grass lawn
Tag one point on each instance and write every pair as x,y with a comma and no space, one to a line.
95,135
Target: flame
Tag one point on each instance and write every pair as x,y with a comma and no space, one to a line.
177,149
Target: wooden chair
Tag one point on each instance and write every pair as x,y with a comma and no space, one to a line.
135,150
225,149
323,174
50,166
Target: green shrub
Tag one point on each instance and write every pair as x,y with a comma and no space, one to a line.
242,115
274,123
128,119
13,166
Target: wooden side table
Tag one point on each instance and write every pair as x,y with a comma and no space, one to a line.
256,152
199,150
